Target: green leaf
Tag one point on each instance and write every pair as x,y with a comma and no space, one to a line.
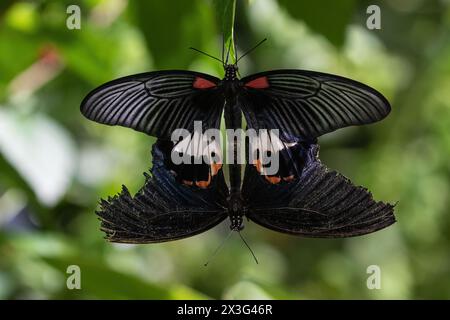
225,12
99,281
327,17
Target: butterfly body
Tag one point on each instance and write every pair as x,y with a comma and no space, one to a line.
233,120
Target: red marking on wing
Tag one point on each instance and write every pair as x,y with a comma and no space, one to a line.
258,83
200,83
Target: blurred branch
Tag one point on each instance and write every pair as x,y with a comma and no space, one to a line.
225,12
46,68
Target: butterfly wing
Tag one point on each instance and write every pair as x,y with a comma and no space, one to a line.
308,104
157,103
321,203
164,209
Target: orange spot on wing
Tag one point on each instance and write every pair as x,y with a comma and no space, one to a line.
215,167
204,184
200,83
258,83
258,165
273,179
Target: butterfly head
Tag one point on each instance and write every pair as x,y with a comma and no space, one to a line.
231,71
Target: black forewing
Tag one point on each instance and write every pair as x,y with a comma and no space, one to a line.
156,103
308,104
163,209
322,203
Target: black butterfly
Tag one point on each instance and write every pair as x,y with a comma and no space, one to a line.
302,198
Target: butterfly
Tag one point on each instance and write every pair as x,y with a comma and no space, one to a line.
303,197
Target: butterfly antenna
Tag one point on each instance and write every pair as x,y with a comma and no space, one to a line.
218,248
250,249
206,54
251,49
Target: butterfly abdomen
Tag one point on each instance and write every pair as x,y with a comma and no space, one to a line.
236,211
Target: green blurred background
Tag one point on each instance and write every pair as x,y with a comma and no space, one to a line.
55,165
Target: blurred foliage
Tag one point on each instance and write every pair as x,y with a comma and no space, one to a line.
327,17
55,165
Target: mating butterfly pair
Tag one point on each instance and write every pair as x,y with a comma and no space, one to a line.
304,198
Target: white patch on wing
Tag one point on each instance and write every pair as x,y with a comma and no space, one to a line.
199,147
